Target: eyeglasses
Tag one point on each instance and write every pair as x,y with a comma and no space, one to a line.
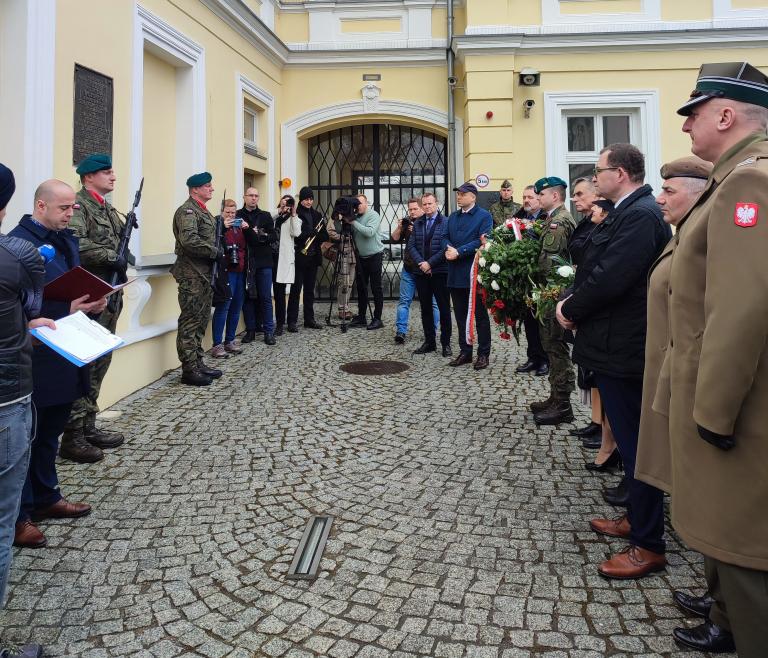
597,170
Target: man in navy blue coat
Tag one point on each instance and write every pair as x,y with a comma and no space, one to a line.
462,239
56,382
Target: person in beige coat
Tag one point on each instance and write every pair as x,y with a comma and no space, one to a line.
718,356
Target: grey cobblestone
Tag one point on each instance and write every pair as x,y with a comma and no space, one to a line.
461,528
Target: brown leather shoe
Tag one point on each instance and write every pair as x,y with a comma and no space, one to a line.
461,360
62,509
28,535
632,562
618,527
481,363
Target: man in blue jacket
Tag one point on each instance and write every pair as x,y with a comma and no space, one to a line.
464,228
57,383
425,249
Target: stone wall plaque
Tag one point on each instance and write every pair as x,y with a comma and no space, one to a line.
93,99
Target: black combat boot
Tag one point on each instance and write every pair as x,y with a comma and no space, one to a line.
76,448
537,407
100,438
560,411
195,378
213,373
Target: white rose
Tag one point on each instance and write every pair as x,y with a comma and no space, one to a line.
495,269
482,262
495,285
480,279
487,245
565,271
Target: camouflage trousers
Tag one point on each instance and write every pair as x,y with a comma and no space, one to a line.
195,296
87,406
561,376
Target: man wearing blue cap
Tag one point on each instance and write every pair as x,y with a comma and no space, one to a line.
717,358
195,231
462,236
558,228
98,227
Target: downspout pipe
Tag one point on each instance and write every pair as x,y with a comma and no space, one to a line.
452,181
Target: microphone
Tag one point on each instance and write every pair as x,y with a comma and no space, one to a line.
47,253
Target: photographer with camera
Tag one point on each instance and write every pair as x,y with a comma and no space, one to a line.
260,238
227,311
308,259
370,248
410,271
287,229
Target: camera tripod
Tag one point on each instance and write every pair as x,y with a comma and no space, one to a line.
346,243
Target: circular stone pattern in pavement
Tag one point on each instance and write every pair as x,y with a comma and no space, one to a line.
374,367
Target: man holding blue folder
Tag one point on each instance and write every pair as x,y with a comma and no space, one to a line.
57,383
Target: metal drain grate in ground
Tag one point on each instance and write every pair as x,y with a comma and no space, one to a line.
374,367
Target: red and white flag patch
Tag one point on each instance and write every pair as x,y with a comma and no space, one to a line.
745,214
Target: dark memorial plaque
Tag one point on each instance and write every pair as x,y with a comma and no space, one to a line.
94,96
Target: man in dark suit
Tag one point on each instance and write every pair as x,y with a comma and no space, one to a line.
424,247
462,236
608,306
57,383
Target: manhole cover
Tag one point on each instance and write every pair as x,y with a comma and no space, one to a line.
374,367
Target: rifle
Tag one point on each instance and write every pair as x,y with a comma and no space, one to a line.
217,242
122,247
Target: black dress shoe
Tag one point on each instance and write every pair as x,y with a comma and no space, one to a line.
613,461
358,321
696,605
617,496
560,411
249,337
706,637
269,339
481,362
542,369
592,443
213,373
593,429
447,351
292,328
376,323
279,330
313,324
425,348
528,366
399,338
461,359
27,651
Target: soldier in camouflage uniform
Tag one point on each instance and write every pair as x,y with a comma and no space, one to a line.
98,226
554,242
196,250
505,208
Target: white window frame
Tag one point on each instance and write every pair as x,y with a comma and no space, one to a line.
645,130
254,119
245,87
550,12
722,10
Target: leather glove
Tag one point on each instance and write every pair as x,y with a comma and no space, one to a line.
721,441
120,264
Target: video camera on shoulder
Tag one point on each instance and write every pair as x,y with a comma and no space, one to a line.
345,208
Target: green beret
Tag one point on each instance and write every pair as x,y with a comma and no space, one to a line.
199,179
738,81
549,181
94,162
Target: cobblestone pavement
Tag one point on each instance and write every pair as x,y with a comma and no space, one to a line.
461,528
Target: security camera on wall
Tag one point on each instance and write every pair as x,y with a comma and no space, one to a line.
529,77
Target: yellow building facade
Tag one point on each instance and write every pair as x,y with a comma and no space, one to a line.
345,95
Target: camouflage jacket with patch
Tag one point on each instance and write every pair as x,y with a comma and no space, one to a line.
195,231
98,228
501,211
558,228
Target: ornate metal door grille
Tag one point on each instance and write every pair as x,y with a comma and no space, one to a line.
387,163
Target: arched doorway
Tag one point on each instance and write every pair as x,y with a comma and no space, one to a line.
386,162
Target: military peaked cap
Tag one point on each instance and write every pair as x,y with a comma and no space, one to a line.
199,179
738,81
688,167
506,185
549,181
94,162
